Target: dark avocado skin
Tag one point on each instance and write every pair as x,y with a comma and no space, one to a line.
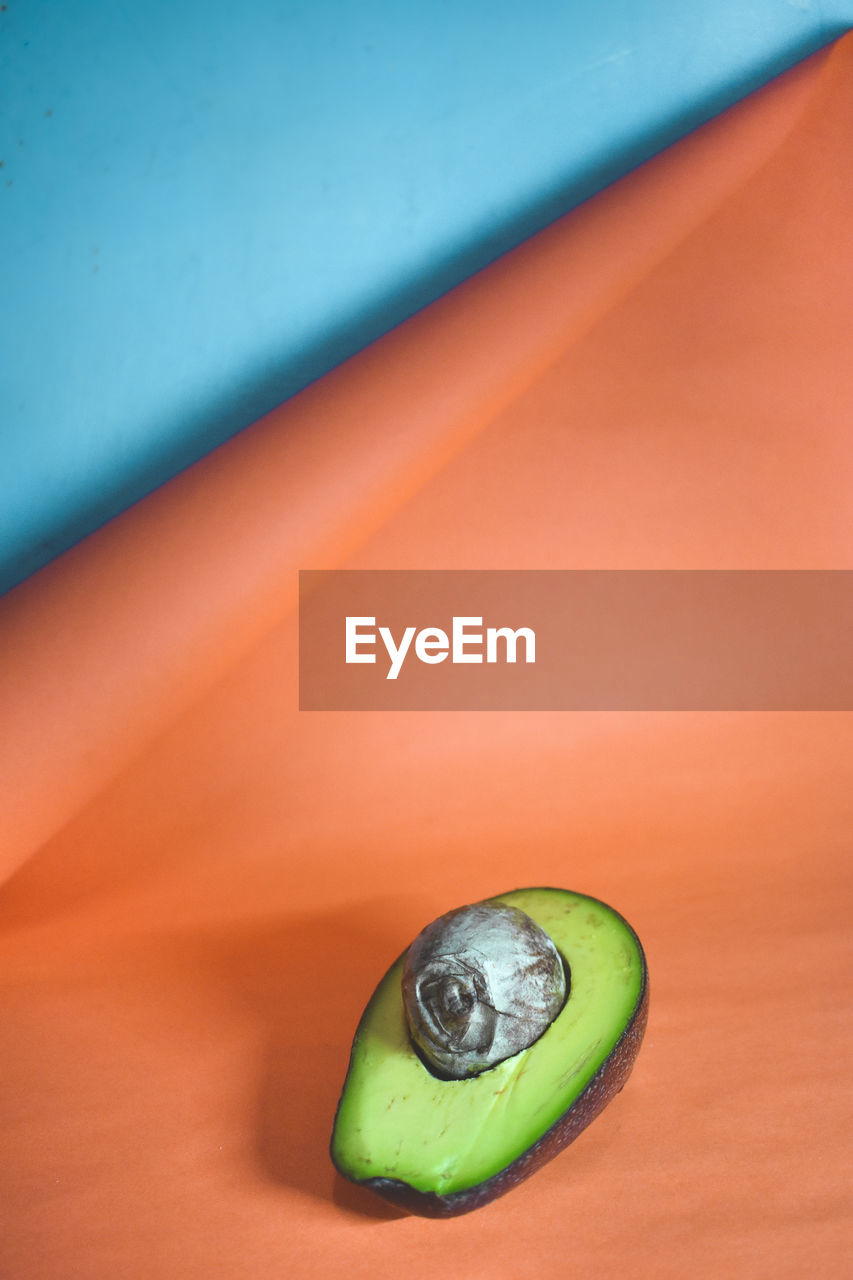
607,1082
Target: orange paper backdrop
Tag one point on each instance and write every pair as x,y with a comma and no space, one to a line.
203,885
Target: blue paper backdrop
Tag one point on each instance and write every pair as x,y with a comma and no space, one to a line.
205,205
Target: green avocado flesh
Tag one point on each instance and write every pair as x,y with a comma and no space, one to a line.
398,1121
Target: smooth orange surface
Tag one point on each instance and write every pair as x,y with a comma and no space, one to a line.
204,885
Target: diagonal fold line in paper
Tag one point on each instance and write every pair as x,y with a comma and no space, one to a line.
107,646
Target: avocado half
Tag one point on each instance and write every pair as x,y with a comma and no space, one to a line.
440,1148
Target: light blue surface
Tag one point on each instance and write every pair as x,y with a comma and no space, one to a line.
204,206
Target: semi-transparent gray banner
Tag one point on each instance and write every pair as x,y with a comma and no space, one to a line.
555,640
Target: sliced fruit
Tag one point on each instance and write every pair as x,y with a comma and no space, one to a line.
442,1147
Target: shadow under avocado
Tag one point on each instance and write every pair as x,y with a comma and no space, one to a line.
308,979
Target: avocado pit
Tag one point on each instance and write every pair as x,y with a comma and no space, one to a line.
480,984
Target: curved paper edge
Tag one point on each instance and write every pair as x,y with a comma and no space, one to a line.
109,644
